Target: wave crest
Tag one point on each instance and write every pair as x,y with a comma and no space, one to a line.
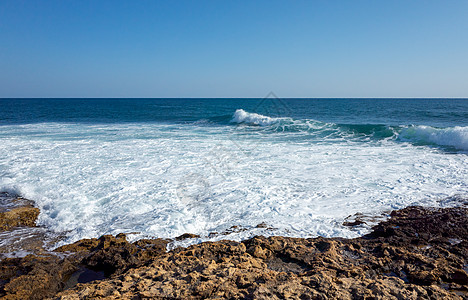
241,116
452,137
456,137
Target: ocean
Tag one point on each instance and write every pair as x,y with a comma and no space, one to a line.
229,168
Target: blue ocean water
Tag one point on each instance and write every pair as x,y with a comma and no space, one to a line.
432,112
163,167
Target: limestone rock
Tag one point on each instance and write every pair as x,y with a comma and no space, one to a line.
389,263
18,216
419,253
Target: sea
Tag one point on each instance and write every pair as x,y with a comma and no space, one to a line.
230,168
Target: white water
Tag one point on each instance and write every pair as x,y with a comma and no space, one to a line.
241,116
456,137
166,180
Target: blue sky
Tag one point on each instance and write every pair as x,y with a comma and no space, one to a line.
233,48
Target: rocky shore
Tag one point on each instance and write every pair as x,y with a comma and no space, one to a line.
419,253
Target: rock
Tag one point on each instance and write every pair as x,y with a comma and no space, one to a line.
187,236
418,253
39,277
111,254
33,277
18,230
262,225
18,216
354,223
384,264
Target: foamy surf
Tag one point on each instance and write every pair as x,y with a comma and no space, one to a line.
242,117
456,137
163,180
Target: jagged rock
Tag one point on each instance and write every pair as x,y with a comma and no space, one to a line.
39,277
186,236
386,264
18,216
418,253
18,230
111,254
33,277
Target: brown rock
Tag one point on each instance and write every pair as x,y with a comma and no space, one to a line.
417,254
187,236
18,216
386,264
33,277
18,226
39,277
111,254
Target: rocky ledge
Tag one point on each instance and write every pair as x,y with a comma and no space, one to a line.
419,253
18,212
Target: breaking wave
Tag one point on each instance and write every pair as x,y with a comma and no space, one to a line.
453,137
456,137
243,117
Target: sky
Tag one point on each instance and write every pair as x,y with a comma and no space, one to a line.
227,48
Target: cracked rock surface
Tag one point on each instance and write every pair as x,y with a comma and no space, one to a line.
419,253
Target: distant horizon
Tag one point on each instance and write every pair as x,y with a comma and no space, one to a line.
305,98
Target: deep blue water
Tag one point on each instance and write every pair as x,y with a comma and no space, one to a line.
432,112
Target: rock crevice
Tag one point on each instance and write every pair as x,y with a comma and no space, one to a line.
419,253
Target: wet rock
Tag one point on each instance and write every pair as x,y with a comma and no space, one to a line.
418,253
33,277
19,241
187,236
424,225
111,254
18,216
362,220
354,223
386,264
262,225
39,277
18,231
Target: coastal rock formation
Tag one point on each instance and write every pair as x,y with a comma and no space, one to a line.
34,276
18,230
114,255
39,277
43,273
21,213
419,253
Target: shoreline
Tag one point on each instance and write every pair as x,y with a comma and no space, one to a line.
419,252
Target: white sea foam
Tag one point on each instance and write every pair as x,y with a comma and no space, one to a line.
241,116
166,180
456,137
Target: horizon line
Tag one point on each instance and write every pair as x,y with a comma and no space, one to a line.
331,98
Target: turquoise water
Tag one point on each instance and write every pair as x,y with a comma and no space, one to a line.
163,167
